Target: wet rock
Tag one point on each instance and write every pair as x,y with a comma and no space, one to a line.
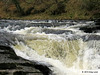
4,73
52,31
4,66
91,28
97,22
39,25
90,37
11,64
6,38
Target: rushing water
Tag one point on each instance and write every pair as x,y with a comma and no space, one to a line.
60,45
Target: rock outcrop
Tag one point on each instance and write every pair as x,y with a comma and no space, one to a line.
10,64
92,28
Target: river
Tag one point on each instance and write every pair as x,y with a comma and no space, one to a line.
66,47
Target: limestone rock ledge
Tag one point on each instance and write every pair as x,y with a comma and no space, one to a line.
11,64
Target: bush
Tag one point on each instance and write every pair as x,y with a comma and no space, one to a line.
91,4
40,8
56,9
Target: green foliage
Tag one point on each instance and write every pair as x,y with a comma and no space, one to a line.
56,9
50,9
40,8
91,4
93,7
18,7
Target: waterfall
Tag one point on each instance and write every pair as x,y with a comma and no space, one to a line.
63,47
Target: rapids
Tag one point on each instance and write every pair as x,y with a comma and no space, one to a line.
62,45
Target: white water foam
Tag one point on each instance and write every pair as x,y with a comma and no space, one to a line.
88,57
58,67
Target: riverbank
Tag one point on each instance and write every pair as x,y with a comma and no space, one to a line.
62,9
43,16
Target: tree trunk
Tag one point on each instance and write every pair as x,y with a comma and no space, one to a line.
18,7
56,1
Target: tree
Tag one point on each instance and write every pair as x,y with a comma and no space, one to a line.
18,7
91,4
16,3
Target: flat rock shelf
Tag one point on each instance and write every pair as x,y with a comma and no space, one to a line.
10,64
